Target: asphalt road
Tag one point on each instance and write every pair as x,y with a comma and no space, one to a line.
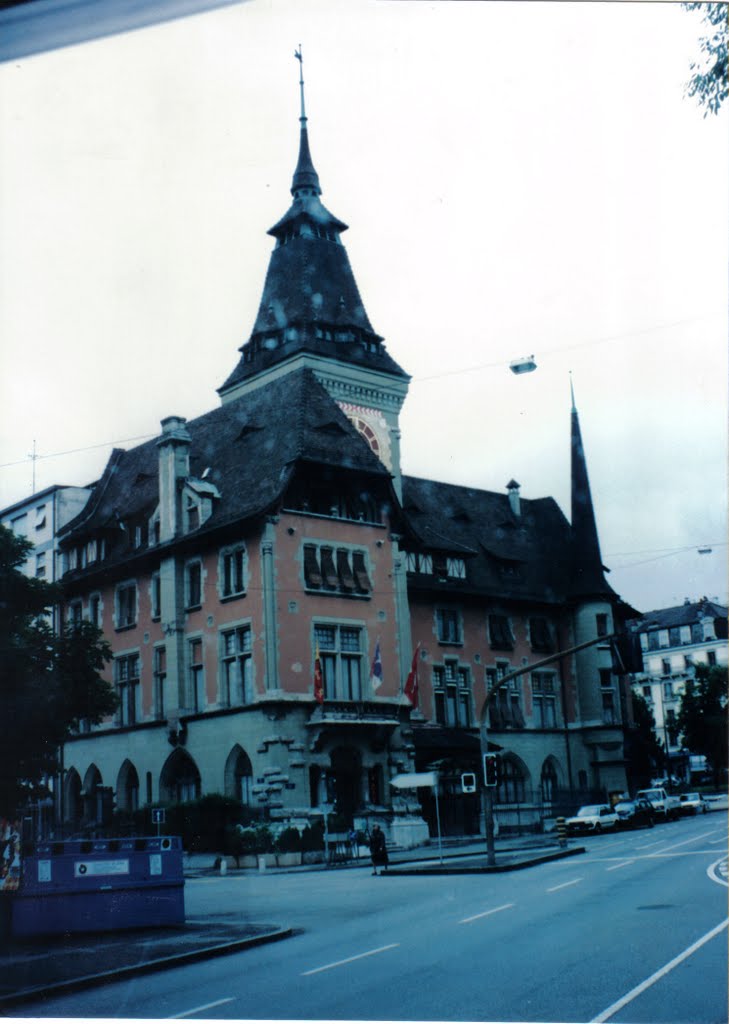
635,930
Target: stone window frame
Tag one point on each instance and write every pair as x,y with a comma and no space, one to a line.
126,610
452,694
338,661
339,570
226,570
240,655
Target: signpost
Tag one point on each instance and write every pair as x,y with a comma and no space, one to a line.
158,817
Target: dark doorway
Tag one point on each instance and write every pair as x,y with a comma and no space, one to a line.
346,781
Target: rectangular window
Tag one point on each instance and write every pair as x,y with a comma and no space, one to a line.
126,677
156,596
544,699
197,679
341,571
193,585
540,635
685,633
40,565
452,695
609,716
500,635
75,613
457,568
91,551
233,566
126,605
236,666
674,636
340,655
160,680
688,662
40,517
448,621
95,610
663,638
19,525
666,666
647,693
601,622
643,641
668,691
711,657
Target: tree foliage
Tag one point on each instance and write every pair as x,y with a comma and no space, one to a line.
643,749
702,717
708,82
48,681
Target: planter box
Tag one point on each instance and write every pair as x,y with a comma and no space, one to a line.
313,857
288,860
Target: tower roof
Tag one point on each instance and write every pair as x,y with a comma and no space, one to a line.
310,300
587,569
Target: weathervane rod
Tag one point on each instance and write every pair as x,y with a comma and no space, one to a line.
299,56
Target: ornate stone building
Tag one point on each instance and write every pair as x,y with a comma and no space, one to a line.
238,555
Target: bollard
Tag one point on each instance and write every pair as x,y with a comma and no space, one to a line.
562,831
223,866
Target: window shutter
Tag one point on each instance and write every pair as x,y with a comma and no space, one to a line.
346,579
312,575
360,572
540,635
328,569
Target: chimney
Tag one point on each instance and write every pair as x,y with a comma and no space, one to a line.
174,469
514,500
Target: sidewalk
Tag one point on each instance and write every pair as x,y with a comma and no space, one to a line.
32,969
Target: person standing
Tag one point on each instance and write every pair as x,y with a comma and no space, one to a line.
378,849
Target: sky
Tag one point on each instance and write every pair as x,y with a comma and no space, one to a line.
519,179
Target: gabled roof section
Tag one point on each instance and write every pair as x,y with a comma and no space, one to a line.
522,557
685,614
249,448
588,578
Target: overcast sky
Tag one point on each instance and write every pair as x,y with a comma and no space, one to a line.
518,178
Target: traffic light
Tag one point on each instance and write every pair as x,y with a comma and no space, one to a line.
491,769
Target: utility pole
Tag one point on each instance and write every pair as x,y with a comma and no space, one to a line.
483,729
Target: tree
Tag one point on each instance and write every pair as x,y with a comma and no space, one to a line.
48,681
643,751
709,80
702,717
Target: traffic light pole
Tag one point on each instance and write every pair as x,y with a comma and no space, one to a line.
483,729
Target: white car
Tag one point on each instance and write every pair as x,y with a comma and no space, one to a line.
692,803
592,818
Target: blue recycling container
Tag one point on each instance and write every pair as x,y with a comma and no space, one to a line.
99,885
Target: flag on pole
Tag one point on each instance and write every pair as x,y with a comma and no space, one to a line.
318,678
376,672
411,684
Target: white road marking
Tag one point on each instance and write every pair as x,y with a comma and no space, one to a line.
634,993
622,864
349,959
486,913
199,1009
647,846
693,839
564,885
717,872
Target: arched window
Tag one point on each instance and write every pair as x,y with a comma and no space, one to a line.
179,779
72,798
239,776
512,779
549,781
127,787
91,795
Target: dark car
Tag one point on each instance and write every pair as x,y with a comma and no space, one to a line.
634,813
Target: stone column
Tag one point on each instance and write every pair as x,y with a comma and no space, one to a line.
270,625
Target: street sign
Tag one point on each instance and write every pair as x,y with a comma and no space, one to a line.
158,815
468,782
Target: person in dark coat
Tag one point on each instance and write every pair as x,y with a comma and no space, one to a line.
378,849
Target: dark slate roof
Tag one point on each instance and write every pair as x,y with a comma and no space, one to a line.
523,557
587,569
682,615
250,445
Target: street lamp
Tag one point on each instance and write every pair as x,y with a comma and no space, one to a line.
483,729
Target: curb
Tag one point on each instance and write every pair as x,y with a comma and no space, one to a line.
160,964
442,869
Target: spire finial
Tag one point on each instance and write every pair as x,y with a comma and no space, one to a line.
572,393
300,58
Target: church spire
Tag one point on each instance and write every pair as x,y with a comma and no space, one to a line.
588,571
305,180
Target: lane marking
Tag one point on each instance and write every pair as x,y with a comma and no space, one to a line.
349,959
199,1009
635,992
693,839
564,885
717,870
486,913
622,864
647,846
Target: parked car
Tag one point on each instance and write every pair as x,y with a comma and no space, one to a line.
592,818
692,803
666,807
634,813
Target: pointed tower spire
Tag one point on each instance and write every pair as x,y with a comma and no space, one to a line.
588,572
306,180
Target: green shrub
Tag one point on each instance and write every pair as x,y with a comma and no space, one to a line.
312,837
289,841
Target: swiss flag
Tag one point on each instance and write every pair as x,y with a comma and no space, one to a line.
318,679
411,684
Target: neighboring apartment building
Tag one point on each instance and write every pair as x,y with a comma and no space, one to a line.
247,566
39,518
673,641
